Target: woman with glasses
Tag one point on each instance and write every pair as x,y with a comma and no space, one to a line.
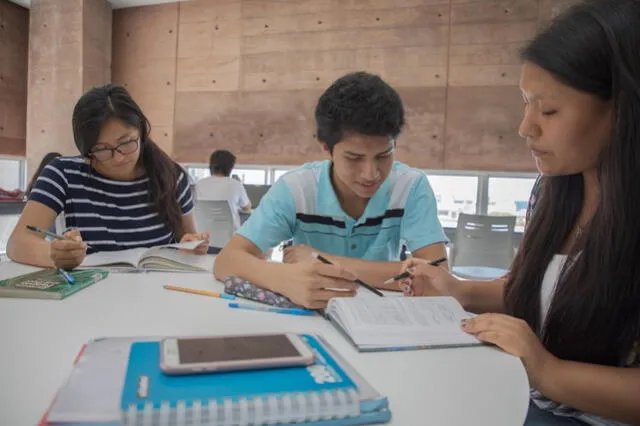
122,192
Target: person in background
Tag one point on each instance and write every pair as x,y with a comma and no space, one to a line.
122,192
355,208
220,187
43,163
570,306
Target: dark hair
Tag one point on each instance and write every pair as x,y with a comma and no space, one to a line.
104,103
222,161
595,314
360,103
43,163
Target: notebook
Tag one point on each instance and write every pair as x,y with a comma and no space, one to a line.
161,258
400,323
105,361
49,284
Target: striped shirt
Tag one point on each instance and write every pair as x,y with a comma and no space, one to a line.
110,214
302,205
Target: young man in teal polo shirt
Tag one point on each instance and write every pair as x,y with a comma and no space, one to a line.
356,209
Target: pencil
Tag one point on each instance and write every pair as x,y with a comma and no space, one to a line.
358,281
407,273
201,292
50,234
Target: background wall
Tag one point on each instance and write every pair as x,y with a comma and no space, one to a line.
69,52
245,75
14,41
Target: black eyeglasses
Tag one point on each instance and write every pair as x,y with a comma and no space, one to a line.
125,148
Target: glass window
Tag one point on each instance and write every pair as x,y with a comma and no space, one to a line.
251,176
198,173
454,194
510,196
10,171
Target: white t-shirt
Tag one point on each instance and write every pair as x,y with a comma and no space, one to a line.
216,188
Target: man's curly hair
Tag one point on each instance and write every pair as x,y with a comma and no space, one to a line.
359,103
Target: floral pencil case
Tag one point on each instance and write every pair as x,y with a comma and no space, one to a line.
244,289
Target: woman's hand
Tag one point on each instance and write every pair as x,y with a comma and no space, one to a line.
200,249
428,280
515,337
68,254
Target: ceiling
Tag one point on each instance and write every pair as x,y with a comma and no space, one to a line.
116,4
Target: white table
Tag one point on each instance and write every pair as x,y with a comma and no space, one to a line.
40,338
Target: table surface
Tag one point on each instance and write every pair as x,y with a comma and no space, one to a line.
40,339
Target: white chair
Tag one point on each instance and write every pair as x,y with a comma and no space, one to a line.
483,246
216,218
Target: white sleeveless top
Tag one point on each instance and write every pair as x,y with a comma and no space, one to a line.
547,291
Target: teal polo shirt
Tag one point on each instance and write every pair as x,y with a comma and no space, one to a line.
302,205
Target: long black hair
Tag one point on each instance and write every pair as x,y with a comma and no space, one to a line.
595,313
101,104
49,157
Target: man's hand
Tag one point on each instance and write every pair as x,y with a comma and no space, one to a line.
312,284
299,254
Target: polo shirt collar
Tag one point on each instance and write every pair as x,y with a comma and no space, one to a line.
327,203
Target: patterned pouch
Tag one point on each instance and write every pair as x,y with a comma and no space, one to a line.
246,290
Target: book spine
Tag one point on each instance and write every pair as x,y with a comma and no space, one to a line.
262,410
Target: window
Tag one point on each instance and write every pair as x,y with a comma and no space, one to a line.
510,196
198,173
12,174
251,176
454,195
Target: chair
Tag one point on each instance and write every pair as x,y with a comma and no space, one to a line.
255,193
483,246
216,218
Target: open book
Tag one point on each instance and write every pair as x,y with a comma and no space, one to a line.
160,258
394,323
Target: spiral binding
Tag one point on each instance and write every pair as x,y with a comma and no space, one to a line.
271,409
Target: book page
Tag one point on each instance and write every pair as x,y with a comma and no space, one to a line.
422,312
130,257
401,322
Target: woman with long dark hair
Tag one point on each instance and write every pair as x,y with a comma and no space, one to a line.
122,192
570,308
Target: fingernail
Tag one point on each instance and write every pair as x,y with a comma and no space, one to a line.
464,323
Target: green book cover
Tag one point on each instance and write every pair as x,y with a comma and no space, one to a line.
49,284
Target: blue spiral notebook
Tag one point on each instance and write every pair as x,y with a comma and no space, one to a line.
320,394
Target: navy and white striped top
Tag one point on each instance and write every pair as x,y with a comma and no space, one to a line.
110,214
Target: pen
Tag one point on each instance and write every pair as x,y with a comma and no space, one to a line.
67,276
201,292
359,281
50,234
288,311
407,273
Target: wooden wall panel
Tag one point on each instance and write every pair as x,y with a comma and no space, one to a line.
144,61
259,127
14,37
421,144
482,130
248,74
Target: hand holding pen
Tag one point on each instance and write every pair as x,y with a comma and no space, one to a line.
68,250
421,277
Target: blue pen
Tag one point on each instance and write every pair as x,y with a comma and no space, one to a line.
67,276
288,311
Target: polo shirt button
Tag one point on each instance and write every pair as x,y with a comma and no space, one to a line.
353,246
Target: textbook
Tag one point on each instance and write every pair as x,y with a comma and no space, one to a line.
132,390
161,258
49,284
400,323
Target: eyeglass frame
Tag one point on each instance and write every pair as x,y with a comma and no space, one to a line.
114,149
